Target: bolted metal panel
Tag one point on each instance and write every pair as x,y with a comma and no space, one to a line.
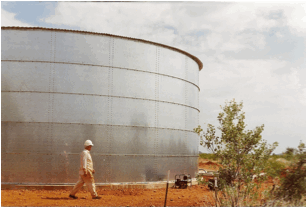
171,116
134,99
133,112
65,108
40,168
193,75
123,169
19,76
67,78
176,89
133,140
63,138
172,63
192,142
80,48
72,108
127,83
26,45
172,142
79,79
191,95
191,122
24,106
143,55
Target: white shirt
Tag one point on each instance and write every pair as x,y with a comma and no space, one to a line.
85,162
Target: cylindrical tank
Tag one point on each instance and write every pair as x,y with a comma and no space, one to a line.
136,100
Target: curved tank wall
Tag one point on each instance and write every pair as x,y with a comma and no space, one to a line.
136,100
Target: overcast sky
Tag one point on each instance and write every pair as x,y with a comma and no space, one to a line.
254,52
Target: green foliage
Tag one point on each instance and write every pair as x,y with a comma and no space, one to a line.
284,158
274,168
242,153
293,182
208,156
289,153
274,156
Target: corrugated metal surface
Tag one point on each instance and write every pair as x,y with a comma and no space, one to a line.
136,100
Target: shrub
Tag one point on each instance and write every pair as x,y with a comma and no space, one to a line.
208,156
293,180
274,168
242,153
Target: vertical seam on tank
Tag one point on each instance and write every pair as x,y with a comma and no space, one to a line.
50,70
157,113
185,114
155,173
108,119
158,106
52,97
111,99
53,72
49,143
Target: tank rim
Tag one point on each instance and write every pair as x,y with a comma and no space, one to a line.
200,64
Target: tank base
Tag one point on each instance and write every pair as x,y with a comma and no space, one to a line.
147,185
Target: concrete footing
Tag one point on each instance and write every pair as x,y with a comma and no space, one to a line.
113,186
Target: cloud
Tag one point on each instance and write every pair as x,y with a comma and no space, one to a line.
276,100
279,35
254,80
295,15
226,26
140,20
8,19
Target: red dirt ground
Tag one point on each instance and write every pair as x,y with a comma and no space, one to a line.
193,196
198,195
208,165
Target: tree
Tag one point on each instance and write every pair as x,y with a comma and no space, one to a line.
242,153
289,153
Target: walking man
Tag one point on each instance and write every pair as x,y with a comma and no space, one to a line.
86,172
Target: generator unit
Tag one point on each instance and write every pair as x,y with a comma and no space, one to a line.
182,181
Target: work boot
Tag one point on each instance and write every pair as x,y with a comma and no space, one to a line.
97,197
74,197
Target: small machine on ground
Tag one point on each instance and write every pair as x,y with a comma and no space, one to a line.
182,181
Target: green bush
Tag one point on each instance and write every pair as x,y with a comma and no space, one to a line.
293,180
242,153
208,156
274,168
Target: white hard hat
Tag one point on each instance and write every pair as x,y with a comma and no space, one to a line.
88,143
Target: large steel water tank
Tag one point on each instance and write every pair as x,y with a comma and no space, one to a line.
136,100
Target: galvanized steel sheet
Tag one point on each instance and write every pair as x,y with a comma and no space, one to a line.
193,74
26,45
172,63
129,83
137,102
80,48
134,55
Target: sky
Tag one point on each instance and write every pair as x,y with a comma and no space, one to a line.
252,51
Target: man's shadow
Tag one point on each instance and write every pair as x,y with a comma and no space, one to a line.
60,198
